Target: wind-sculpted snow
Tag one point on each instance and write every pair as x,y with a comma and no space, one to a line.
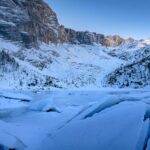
107,103
77,120
110,130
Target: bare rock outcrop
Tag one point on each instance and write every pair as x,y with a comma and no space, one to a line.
28,21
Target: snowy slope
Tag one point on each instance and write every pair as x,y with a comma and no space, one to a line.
74,66
17,74
136,73
37,52
133,51
62,65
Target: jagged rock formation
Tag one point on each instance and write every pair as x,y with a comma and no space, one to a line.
86,37
135,75
75,37
30,21
113,40
129,40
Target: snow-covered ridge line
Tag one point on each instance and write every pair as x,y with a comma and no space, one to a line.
136,74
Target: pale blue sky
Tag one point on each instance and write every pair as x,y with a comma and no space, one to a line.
127,18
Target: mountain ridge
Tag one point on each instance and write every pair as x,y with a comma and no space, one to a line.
38,53
30,21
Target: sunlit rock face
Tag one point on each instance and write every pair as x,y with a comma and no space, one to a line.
113,40
89,38
76,37
30,21
129,40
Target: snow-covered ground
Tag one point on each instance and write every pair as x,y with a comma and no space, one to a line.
89,117
71,65
106,119
68,65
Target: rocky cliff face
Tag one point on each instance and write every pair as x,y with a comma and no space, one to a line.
75,37
30,21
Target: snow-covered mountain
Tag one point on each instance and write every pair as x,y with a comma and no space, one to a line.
65,66
136,73
15,74
37,52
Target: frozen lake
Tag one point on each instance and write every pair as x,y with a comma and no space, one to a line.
106,119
